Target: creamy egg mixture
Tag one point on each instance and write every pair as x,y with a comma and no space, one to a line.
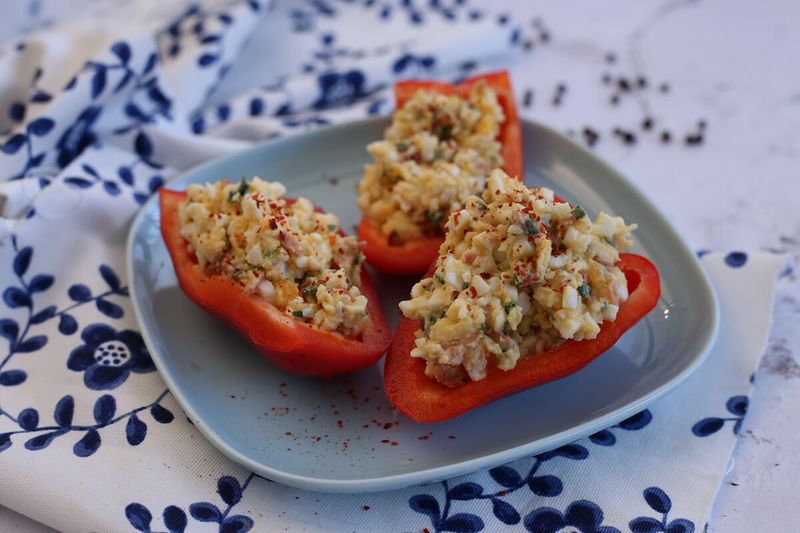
518,273
285,252
437,152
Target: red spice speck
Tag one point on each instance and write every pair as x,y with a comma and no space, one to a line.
394,443
423,437
340,423
387,425
502,493
385,441
451,436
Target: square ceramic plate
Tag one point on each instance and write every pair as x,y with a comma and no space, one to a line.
341,435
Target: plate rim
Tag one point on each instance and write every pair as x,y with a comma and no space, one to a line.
426,475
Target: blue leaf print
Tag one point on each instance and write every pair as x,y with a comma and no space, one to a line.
67,325
425,504
506,476
545,485
22,261
90,170
31,345
256,107
98,81
9,329
736,259
81,183
155,183
41,282
17,111
143,145
42,441
138,516
645,524
44,315
125,175
41,126
125,80
680,525
37,160
207,59
110,277
707,426
13,145
109,309
64,410
28,419
15,297
41,97
575,452
161,414
151,63
135,430
104,409
122,51
229,490
205,512
737,405
237,524
111,188
505,512
11,378
637,421
79,293
657,499
5,441
463,523
89,444
465,491
175,519
603,438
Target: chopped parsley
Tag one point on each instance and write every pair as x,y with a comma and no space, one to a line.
443,131
609,241
509,306
298,314
585,291
578,212
464,286
402,145
531,227
311,290
434,217
331,227
483,328
244,186
439,278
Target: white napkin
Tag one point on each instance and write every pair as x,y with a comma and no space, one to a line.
98,112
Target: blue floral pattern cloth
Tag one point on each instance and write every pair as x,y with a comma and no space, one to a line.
98,112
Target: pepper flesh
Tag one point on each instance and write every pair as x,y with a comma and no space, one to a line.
424,400
415,256
288,343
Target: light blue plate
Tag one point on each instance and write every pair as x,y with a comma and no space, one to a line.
341,435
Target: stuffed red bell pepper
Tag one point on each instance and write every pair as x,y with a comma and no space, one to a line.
443,142
279,271
528,289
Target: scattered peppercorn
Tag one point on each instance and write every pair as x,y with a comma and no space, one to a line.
611,57
664,87
590,135
545,36
606,78
629,138
623,84
647,123
666,137
614,99
527,45
693,139
641,82
701,124
527,100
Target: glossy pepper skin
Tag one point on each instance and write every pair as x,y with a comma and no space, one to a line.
287,343
414,257
424,400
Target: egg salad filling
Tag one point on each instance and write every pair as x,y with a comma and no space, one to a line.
284,251
436,153
518,273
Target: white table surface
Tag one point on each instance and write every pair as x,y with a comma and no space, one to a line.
733,63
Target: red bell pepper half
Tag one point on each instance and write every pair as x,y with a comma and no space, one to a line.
288,343
414,257
424,400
